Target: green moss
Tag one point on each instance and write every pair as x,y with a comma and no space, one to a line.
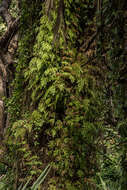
56,105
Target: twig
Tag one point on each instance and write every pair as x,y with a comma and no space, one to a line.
89,43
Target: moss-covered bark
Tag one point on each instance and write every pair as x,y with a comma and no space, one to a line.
67,97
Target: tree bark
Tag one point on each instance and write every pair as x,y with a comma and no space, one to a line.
124,83
7,51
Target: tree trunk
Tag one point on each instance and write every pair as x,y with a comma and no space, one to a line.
8,46
124,153
1,107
